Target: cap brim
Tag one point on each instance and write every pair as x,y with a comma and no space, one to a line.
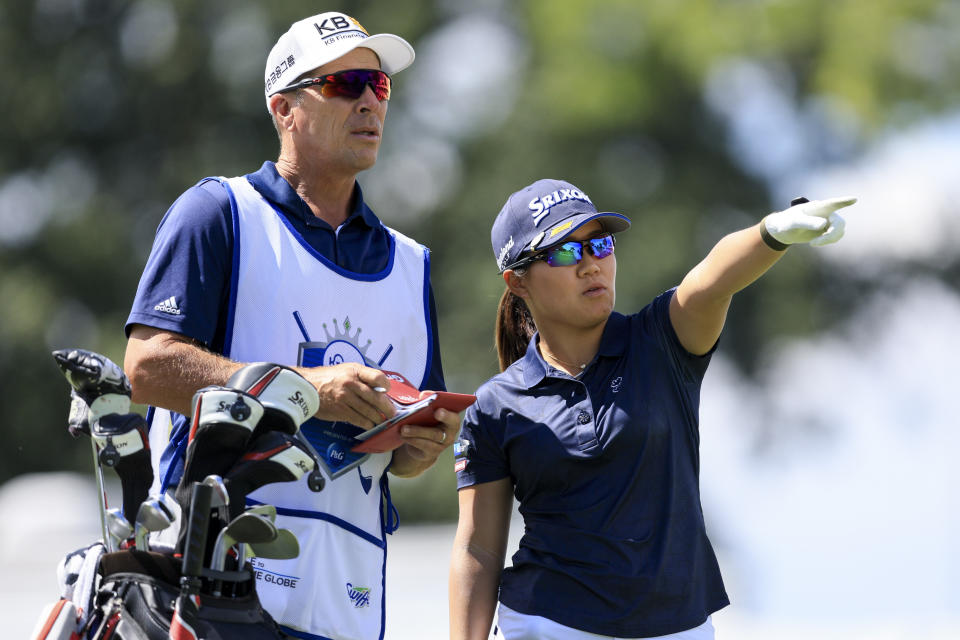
394,52
609,221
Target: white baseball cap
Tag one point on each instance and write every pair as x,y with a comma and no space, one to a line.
312,42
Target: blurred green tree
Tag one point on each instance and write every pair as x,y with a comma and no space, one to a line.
111,109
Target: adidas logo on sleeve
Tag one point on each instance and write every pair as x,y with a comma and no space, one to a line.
168,306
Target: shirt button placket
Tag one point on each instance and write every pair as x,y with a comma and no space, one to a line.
586,432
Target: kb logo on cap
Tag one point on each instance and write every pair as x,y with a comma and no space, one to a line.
540,207
337,23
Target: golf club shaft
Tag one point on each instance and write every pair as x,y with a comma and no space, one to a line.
101,498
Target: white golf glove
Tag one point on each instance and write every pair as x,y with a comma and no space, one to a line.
816,222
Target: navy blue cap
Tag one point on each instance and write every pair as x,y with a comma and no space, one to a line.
543,214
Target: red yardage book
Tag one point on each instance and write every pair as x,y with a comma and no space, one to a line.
413,407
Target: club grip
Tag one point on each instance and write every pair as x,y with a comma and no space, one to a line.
196,540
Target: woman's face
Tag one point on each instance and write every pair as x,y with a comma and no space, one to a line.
578,296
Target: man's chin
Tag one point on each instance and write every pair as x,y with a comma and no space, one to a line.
365,161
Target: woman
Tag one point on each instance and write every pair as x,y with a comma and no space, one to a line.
593,425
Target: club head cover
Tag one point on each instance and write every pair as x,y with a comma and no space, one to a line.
99,387
125,447
273,456
223,422
287,397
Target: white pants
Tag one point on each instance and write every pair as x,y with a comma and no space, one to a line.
512,625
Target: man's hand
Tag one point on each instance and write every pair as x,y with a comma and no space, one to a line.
423,445
348,393
816,222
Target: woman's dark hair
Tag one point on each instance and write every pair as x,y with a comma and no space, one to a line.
514,329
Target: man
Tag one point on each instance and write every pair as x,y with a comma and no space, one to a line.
289,265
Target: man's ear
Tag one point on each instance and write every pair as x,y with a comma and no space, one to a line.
515,283
282,108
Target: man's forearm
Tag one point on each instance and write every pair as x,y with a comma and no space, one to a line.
165,369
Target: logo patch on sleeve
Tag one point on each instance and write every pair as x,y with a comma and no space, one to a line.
461,449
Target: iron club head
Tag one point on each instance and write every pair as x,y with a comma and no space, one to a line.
153,515
118,527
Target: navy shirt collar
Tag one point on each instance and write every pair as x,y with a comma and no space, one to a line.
612,344
272,186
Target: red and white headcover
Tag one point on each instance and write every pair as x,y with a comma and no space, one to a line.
280,389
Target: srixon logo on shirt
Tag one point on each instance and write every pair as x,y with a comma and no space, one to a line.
360,596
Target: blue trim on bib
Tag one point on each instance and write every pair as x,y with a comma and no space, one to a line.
234,269
333,266
296,633
326,517
426,316
391,522
173,458
385,528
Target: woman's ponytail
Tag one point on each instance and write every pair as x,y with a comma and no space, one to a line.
514,329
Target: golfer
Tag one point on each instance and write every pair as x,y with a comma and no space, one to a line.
593,425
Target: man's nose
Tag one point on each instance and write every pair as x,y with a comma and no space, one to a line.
368,99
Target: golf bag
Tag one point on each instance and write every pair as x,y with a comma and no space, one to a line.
124,588
137,600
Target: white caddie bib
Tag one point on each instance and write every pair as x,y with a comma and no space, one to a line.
292,306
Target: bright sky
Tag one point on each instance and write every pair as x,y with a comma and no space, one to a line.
849,513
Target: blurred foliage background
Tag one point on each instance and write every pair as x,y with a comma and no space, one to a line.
111,109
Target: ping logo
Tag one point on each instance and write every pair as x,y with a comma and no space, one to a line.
616,383
540,207
360,596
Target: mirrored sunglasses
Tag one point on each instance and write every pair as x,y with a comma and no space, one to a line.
348,84
570,252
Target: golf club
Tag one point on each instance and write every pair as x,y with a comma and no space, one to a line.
153,515
223,420
273,456
247,527
98,386
284,547
118,527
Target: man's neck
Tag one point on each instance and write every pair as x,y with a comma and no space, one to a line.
329,196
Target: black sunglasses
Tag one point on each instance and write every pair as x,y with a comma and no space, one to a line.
348,84
569,253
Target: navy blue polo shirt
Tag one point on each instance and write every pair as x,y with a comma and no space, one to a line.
606,468
185,286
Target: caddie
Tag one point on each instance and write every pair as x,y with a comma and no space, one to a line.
289,264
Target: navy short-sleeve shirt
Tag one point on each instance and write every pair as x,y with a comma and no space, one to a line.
605,467
185,286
